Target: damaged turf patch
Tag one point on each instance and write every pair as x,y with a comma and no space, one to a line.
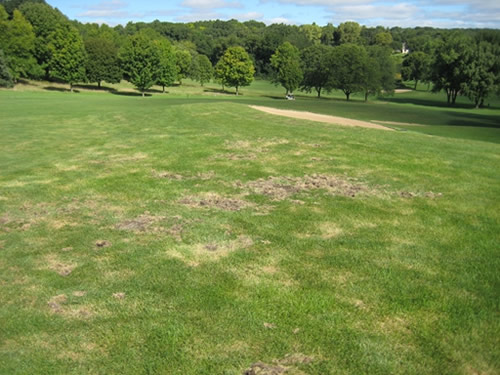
281,188
286,365
215,201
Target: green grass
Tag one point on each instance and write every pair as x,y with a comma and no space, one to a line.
221,265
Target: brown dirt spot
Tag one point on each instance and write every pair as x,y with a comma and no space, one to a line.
141,223
329,230
56,303
319,118
286,365
270,325
102,244
280,188
233,156
168,175
119,295
428,194
211,247
79,293
69,248
213,200
206,175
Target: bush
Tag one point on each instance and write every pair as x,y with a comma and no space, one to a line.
5,75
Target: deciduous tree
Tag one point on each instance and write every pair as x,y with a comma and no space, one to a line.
102,62
202,69
140,59
349,65
67,61
287,66
5,76
166,72
416,67
235,68
316,65
183,60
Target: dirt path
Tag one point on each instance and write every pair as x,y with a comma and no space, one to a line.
320,118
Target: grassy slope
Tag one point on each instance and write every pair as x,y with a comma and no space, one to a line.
379,283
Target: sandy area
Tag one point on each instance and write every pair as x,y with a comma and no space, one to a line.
397,123
402,91
320,118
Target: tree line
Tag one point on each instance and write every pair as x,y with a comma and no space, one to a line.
38,41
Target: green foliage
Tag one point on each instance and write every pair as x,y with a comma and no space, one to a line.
18,42
68,56
383,39
449,68
5,76
316,65
45,20
312,32
349,32
166,72
140,58
11,5
416,67
235,68
201,69
483,72
379,71
287,65
183,60
102,63
349,67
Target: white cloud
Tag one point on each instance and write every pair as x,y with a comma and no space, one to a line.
211,4
248,16
280,20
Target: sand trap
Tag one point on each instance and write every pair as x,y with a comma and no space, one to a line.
320,118
397,123
402,91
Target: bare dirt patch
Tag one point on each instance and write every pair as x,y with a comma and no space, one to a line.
281,188
319,118
213,200
100,244
142,223
286,365
427,194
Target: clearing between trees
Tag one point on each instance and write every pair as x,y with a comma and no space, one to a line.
319,118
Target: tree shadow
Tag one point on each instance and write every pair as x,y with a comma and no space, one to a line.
473,120
219,91
130,93
429,103
95,88
60,89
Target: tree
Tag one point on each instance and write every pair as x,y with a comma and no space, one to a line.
449,69
68,57
139,59
316,65
102,62
11,5
286,62
383,39
45,20
183,61
379,71
201,69
5,76
416,67
349,69
349,32
235,68
482,72
312,32
166,72
18,42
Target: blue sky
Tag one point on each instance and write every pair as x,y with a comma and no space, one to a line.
409,13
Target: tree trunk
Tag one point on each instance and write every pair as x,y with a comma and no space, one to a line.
347,94
366,96
454,97
163,89
98,84
319,92
236,90
71,87
143,93
416,83
448,94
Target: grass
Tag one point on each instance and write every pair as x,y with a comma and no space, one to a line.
194,235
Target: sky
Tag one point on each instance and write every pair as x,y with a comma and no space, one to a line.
388,13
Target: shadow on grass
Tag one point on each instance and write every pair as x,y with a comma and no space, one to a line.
431,103
219,91
95,88
130,93
473,120
60,89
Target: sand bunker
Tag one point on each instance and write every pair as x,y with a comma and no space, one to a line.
319,118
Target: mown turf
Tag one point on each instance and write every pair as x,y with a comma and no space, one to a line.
198,236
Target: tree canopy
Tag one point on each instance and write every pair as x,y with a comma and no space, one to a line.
235,68
286,62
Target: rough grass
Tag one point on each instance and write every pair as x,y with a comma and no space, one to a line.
196,236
